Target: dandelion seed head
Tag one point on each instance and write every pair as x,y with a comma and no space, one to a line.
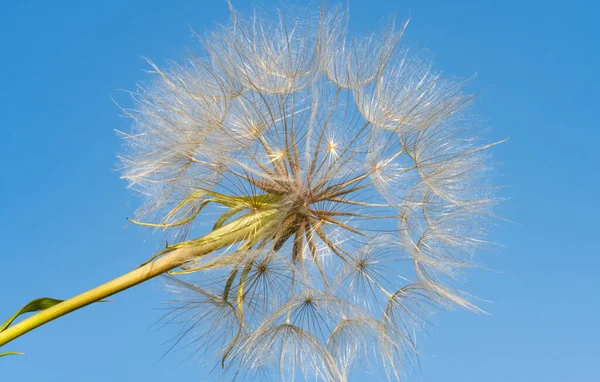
357,159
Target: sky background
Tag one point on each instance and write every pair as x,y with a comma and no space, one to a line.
63,206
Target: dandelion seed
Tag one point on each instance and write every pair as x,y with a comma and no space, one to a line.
349,169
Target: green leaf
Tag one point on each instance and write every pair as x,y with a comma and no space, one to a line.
228,214
33,306
10,353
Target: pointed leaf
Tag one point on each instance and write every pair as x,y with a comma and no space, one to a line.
32,306
10,353
228,214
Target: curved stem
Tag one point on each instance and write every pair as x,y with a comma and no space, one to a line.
236,231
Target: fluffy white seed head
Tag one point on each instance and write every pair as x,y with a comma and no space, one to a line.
358,157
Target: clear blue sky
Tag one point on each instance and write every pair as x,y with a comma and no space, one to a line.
63,206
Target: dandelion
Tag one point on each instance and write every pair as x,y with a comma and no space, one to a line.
355,154
345,187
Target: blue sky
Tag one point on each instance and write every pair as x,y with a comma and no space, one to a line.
64,207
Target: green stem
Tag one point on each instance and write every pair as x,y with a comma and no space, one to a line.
240,229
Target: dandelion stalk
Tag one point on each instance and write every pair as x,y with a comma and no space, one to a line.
241,229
